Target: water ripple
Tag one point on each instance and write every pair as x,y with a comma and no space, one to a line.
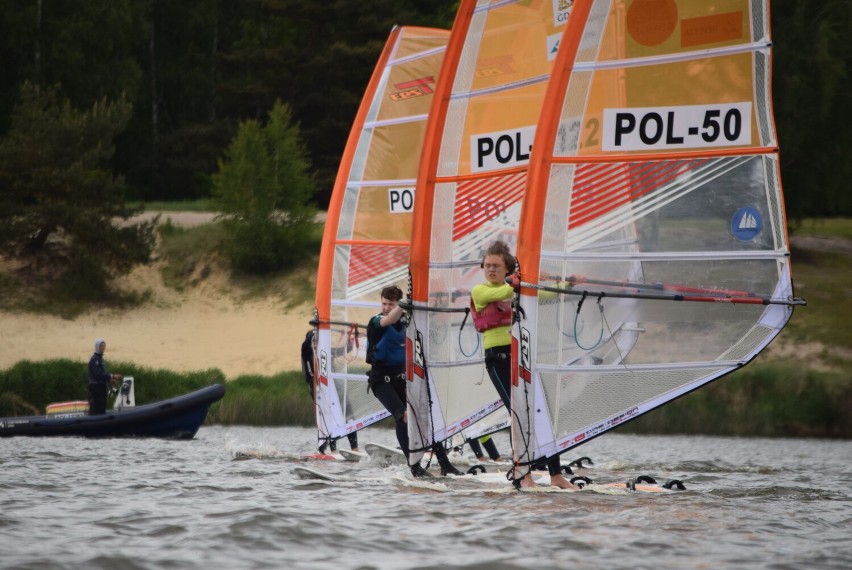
148,504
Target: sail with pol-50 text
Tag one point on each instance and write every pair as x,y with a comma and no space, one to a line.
653,243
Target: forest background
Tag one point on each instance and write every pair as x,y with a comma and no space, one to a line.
193,70
190,73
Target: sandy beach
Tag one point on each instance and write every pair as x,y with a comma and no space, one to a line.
204,330
205,327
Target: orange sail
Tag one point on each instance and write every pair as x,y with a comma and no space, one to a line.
368,227
653,242
469,192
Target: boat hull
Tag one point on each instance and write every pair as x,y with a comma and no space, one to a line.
175,418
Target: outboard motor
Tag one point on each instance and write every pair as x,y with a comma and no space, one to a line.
126,396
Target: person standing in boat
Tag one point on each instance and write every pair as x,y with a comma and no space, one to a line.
99,379
492,317
308,372
386,378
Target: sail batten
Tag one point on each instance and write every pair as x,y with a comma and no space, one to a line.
671,58
616,158
371,125
499,88
667,256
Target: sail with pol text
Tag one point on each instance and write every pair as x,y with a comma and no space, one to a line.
368,227
469,193
653,244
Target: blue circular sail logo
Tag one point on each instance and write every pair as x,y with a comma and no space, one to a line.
747,223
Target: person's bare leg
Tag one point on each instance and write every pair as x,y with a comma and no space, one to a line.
562,482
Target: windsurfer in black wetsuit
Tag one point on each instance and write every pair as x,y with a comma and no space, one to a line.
99,378
308,372
386,355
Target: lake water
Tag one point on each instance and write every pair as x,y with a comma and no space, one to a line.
119,504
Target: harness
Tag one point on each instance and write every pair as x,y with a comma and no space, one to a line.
494,314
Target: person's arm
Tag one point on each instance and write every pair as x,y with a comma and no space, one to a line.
98,372
392,317
484,294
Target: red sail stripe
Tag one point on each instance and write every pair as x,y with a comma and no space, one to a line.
640,176
600,189
368,261
481,200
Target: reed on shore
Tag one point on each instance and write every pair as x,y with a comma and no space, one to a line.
769,400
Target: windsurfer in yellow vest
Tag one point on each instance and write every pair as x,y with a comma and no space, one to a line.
386,355
492,316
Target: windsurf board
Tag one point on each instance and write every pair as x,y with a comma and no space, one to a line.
349,455
385,454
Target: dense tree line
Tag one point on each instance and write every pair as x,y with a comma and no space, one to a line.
193,70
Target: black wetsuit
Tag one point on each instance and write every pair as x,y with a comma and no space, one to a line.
99,379
498,362
387,381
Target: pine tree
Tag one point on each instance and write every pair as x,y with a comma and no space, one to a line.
263,186
60,206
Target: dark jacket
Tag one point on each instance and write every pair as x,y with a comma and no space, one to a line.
97,370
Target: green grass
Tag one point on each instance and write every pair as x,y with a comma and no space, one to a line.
190,254
825,280
282,399
773,400
826,227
